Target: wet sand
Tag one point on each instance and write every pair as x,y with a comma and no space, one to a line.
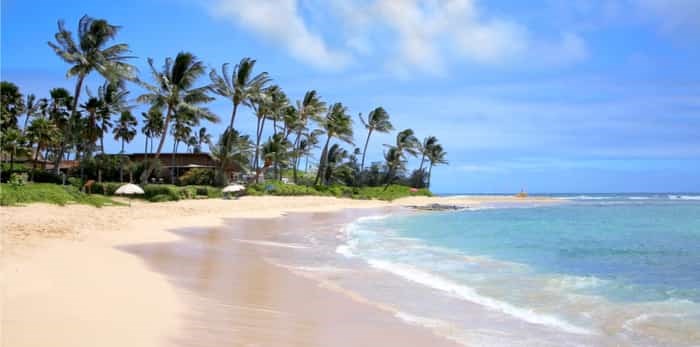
239,297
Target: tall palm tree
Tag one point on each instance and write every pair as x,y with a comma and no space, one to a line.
334,161
336,124
425,148
231,151
11,105
309,108
377,120
266,103
112,96
174,90
239,86
395,161
125,129
436,156
276,152
152,127
406,143
91,53
93,130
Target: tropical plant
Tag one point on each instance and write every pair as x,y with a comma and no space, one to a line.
310,107
112,96
202,137
174,91
11,105
377,120
436,156
336,124
231,151
276,152
152,127
334,164
240,86
44,133
125,129
425,148
32,108
266,103
92,131
91,53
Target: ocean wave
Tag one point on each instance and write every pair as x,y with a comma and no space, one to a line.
469,294
684,197
583,197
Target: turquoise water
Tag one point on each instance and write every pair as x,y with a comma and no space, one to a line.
624,270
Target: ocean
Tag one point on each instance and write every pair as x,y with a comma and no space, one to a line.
595,270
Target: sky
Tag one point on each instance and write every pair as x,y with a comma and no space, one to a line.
545,95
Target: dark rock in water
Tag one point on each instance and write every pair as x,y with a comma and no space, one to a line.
438,207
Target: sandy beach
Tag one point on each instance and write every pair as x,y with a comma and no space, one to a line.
82,276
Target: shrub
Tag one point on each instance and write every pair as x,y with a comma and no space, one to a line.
49,193
197,176
43,176
160,198
106,188
17,179
151,190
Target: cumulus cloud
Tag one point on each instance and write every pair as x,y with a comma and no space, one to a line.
408,35
280,21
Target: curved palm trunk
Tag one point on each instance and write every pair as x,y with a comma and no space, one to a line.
322,163
362,165
256,162
172,162
430,171
296,155
74,111
233,115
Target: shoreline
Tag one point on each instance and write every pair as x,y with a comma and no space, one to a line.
66,274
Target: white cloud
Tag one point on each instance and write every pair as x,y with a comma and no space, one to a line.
409,36
674,15
280,21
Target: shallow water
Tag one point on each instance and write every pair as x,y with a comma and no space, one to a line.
601,270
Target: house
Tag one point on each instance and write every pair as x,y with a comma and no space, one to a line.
178,164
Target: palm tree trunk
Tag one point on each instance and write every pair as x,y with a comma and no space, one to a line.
261,125
102,143
233,115
74,111
430,171
172,163
296,154
322,162
362,165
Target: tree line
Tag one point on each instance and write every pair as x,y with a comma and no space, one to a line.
61,125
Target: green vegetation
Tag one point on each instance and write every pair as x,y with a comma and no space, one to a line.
308,139
15,194
389,193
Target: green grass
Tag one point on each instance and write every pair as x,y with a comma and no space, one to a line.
49,193
366,193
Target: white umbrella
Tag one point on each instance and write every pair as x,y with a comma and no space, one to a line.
129,189
232,188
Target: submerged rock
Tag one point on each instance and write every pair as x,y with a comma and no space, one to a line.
438,207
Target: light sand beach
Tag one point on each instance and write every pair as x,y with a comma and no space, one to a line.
83,276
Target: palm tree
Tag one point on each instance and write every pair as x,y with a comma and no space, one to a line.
152,127
92,131
425,148
185,119
436,156
202,137
12,105
174,90
395,161
125,129
337,124
335,157
276,152
112,96
266,103
232,150
90,53
239,86
32,107
311,107
377,120
407,142
44,133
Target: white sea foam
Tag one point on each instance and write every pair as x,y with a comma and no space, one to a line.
684,197
271,243
584,197
345,250
469,294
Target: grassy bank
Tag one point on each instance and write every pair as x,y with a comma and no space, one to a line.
49,193
365,193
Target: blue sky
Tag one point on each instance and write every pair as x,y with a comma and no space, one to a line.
550,95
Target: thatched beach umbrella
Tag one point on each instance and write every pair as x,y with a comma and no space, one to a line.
129,189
